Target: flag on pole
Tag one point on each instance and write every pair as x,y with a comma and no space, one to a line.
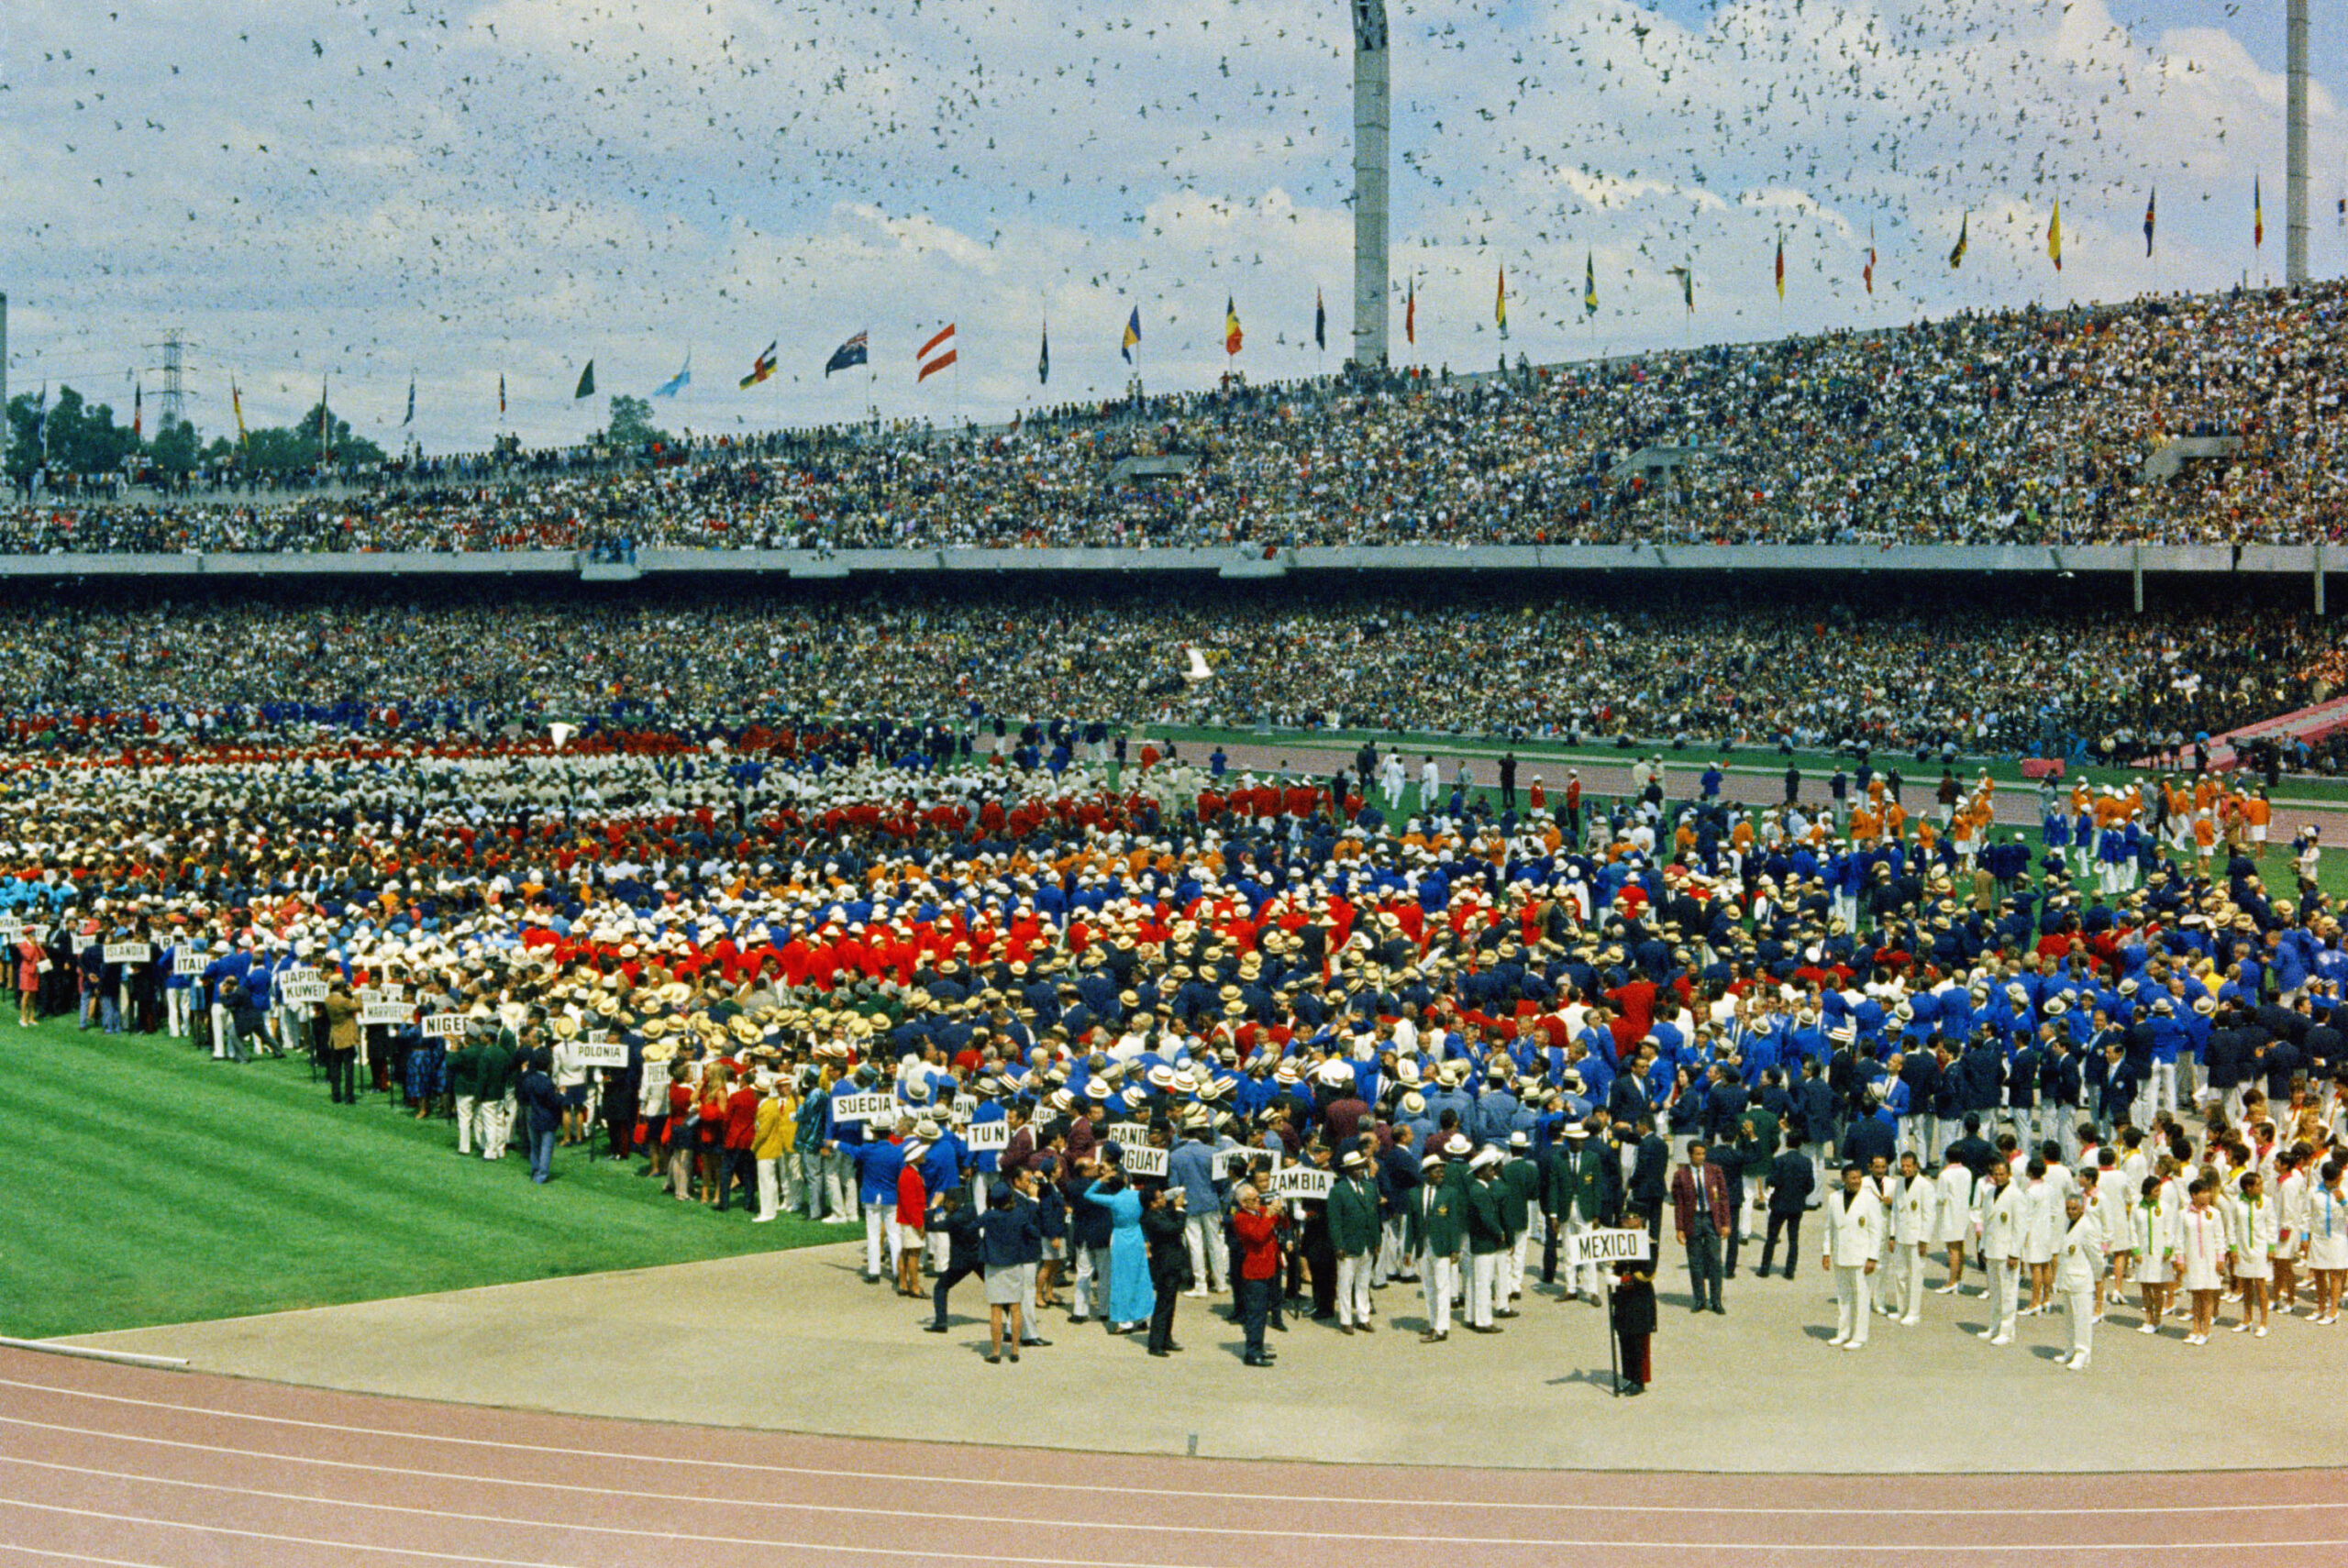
684,377
851,352
1232,339
2257,216
934,355
1781,266
500,394
1044,358
1867,274
2151,201
1589,283
761,369
138,409
322,416
40,421
1686,276
1499,304
1411,311
236,406
410,417
1956,255
2054,236
586,387
1133,335
1319,322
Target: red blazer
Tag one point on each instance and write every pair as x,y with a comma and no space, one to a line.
1683,1197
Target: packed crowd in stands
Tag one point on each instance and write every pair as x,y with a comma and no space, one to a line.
1006,1015
1755,670
2026,427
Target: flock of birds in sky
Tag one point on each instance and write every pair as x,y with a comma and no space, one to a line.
364,193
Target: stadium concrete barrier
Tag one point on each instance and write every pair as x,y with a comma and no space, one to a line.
1252,561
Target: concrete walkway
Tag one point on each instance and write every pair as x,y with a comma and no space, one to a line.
796,1342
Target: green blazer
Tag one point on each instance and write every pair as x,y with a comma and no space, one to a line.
1433,1228
1353,1216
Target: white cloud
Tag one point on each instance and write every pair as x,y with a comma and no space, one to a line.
467,190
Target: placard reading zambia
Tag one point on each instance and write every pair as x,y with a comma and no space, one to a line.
982,1136
130,953
880,1108
1606,1247
1303,1181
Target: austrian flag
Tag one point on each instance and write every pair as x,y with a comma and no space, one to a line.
936,353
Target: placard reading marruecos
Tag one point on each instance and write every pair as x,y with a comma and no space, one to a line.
1606,1247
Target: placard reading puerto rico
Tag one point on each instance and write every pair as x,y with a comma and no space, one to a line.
879,1108
982,1136
1606,1247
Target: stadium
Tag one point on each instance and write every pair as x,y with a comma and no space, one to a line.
1661,879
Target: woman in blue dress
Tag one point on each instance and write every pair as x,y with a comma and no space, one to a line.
1130,1296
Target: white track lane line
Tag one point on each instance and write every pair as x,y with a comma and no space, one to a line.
1323,1498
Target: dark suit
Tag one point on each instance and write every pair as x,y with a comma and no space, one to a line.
1648,1188
1791,1180
1703,1220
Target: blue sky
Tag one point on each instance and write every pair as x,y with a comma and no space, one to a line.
457,192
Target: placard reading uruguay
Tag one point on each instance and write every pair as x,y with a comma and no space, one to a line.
1606,1247
1141,1161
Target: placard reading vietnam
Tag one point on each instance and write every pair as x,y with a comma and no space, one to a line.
980,1137
1606,1247
880,1108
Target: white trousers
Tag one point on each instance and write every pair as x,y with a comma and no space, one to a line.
1513,1269
497,1126
878,1229
1091,1287
175,1011
1853,1294
1209,1253
467,1107
770,1188
1583,1280
219,1032
1439,1280
1483,1281
839,1185
2080,1305
1353,1288
2005,1274
1391,1258
1906,1289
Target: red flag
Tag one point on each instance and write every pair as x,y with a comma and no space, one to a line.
1867,274
931,365
1410,314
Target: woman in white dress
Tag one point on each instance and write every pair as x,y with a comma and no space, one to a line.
2112,1198
2040,1207
2292,1191
2256,1235
2203,1250
2152,1235
2328,1241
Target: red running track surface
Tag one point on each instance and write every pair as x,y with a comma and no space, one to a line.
112,1464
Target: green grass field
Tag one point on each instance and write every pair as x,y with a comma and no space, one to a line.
148,1185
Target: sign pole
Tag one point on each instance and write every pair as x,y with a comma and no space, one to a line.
1613,1343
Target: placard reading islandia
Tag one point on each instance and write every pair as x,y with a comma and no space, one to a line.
130,953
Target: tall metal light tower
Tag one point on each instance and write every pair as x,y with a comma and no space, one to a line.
172,403
2295,143
1373,112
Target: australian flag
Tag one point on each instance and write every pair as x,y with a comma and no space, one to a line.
851,352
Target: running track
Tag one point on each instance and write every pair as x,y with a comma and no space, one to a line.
119,1466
